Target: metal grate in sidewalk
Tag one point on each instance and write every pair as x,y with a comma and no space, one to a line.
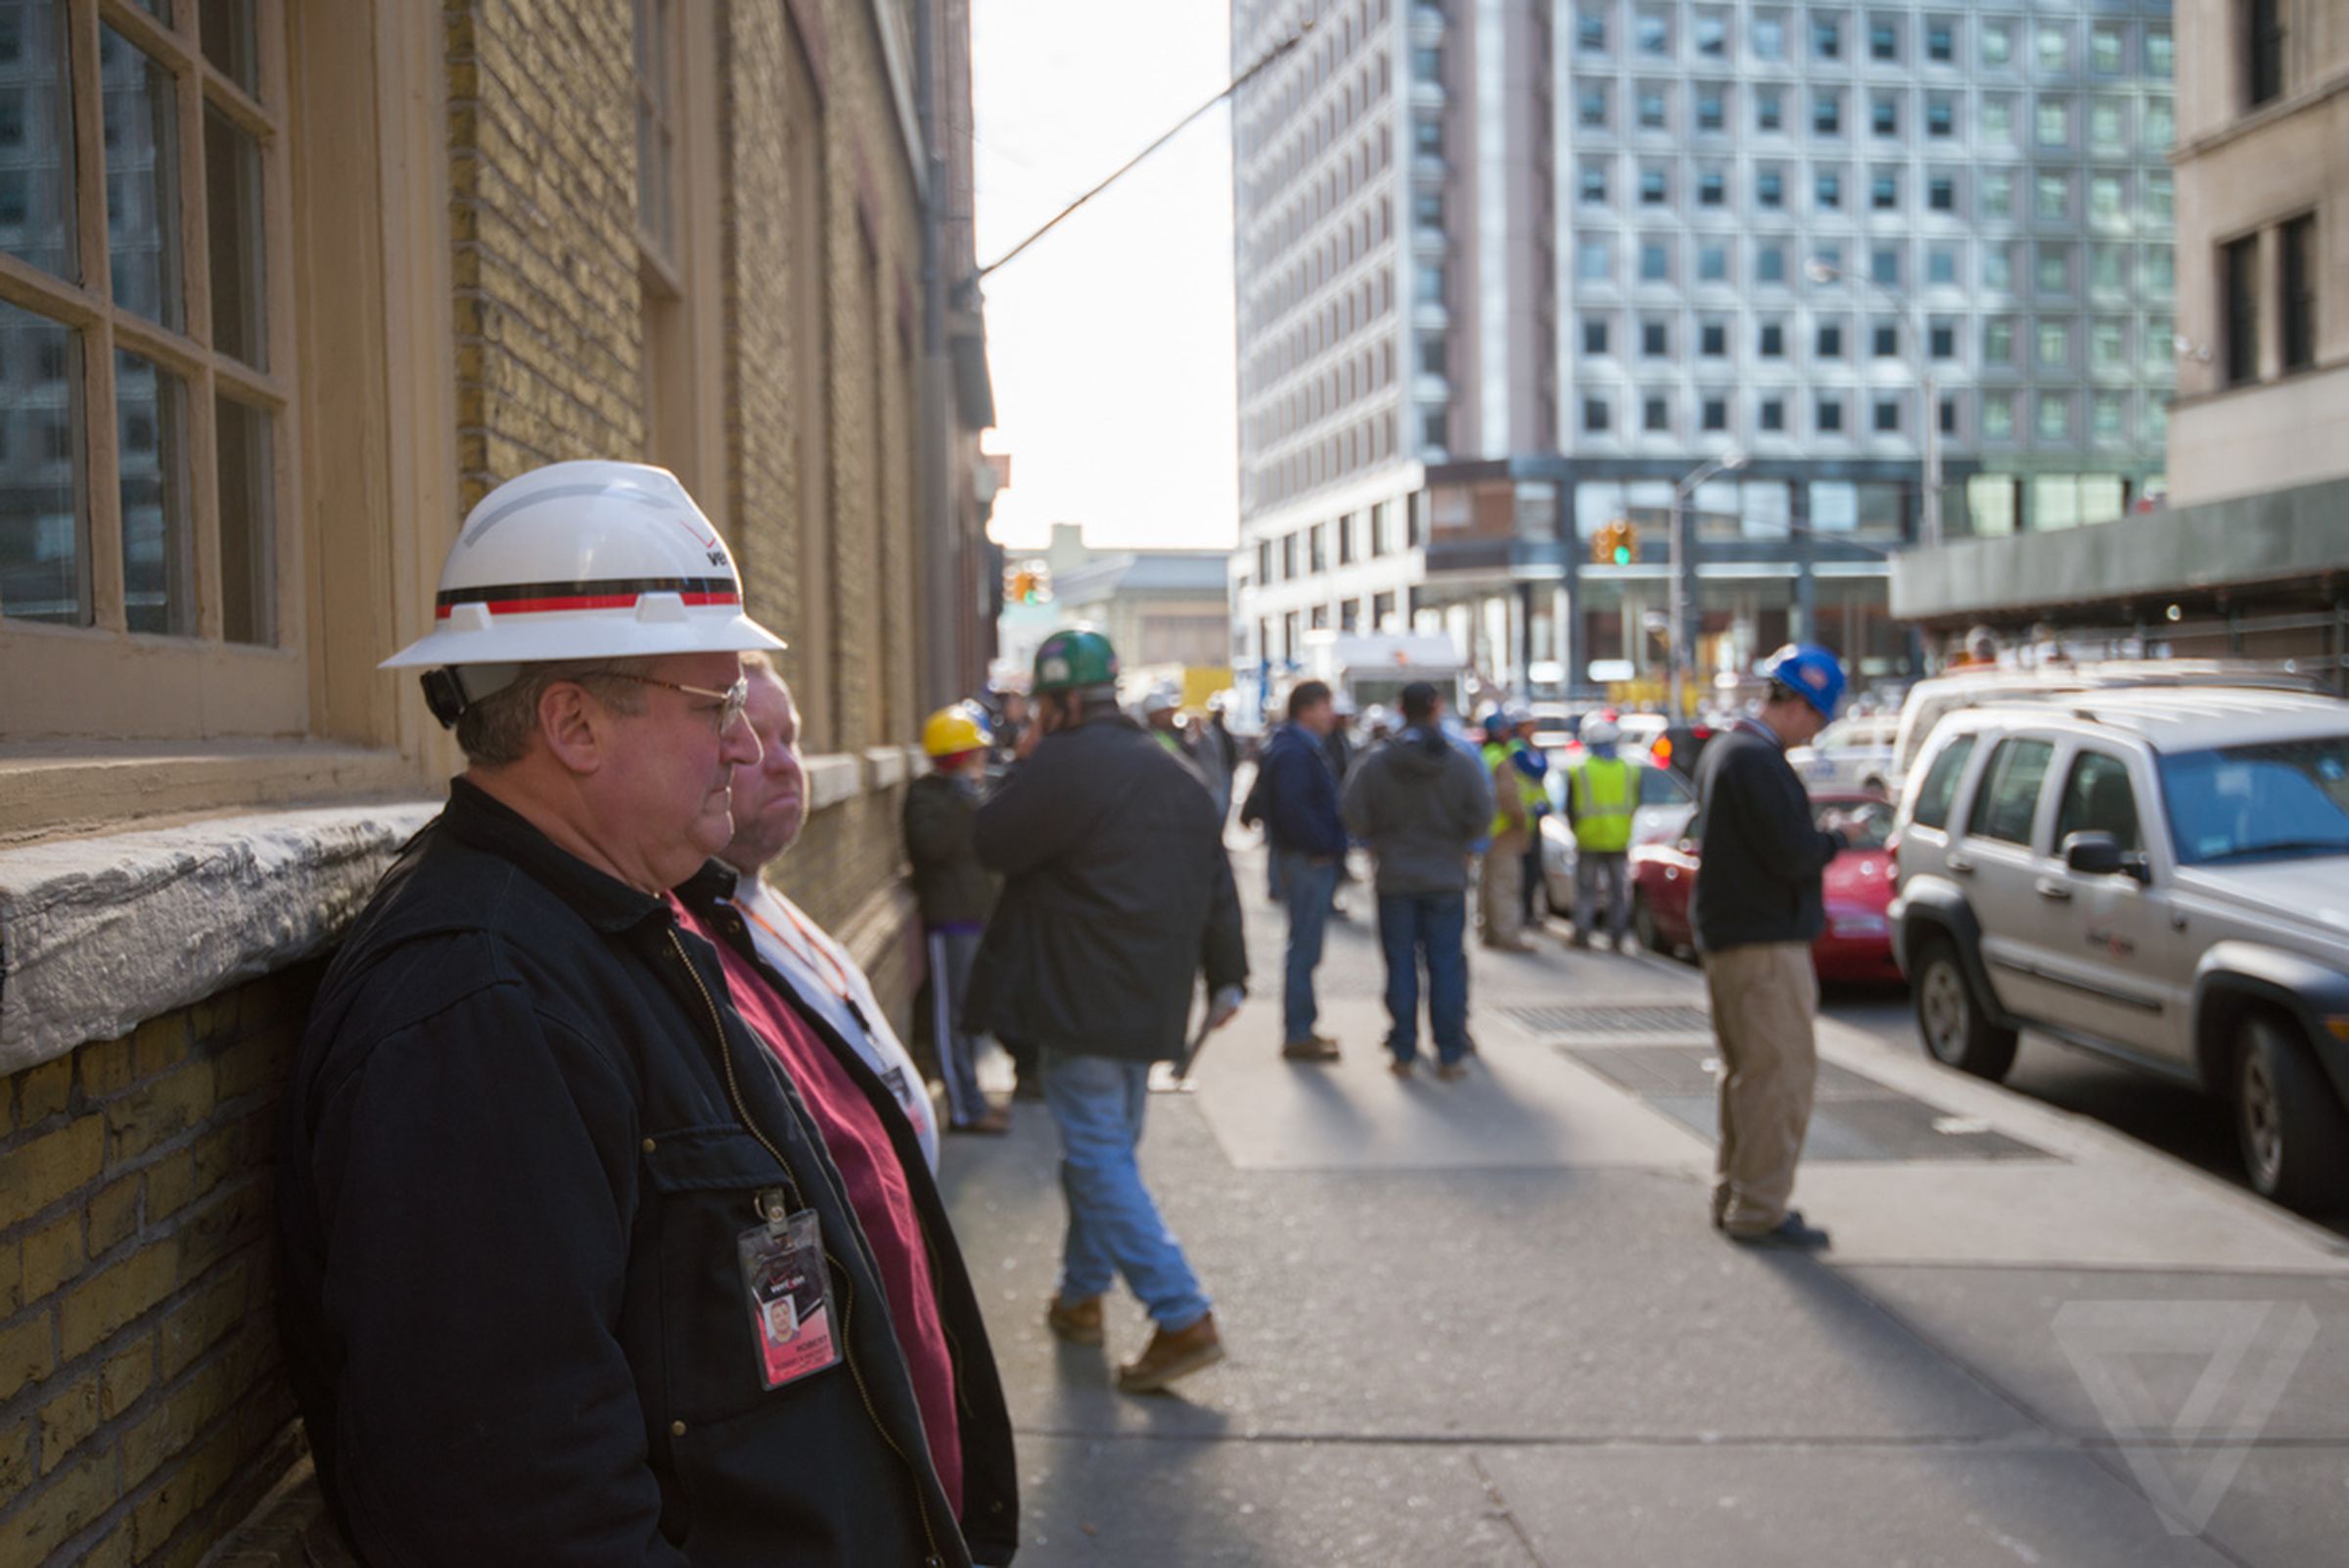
1623,1018
1852,1117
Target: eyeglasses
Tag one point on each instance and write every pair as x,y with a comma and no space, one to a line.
731,701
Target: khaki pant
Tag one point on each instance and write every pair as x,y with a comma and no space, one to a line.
1502,892
1764,999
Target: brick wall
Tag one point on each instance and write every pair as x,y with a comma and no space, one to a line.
542,209
142,1407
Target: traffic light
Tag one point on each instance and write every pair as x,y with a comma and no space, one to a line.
1028,583
1616,543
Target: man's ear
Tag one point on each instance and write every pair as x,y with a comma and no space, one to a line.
575,726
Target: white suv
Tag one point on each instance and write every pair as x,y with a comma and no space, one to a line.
2161,875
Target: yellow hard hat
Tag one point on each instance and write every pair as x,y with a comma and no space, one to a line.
951,731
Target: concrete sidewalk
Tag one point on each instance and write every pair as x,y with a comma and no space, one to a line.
1487,1323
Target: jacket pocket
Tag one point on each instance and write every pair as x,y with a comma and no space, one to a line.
706,1183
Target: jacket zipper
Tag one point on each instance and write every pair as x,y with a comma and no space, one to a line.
847,1287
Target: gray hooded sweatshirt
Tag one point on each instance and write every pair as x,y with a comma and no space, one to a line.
1419,801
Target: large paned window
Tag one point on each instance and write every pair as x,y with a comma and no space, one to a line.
2263,51
2296,290
2238,273
145,352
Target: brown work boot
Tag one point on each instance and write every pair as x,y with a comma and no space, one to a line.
1312,1048
1172,1354
1076,1322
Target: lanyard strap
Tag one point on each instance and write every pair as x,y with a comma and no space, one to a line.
808,947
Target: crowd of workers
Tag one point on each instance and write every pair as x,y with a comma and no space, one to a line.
596,1143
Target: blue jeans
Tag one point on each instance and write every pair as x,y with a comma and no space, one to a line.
1433,924
951,953
1307,889
1113,1228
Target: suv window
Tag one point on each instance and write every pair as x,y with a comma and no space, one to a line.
2097,798
1940,788
2004,805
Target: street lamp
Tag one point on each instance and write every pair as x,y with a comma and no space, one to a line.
1728,462
1820,272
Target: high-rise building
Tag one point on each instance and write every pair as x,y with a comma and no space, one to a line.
1508,274
2249,556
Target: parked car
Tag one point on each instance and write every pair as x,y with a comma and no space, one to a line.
1857,944
1666,804
1851,754
2159,875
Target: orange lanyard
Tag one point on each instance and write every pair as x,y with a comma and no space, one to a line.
810,949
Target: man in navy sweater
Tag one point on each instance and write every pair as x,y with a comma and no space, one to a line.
1758,911
1295,797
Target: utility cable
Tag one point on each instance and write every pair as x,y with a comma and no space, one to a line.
1272,56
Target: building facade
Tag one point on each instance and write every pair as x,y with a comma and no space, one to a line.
1625,239
1162,610
2251,555
284,288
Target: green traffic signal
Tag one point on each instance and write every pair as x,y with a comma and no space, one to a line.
1623,555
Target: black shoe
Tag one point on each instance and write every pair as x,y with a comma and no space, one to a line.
1790,1233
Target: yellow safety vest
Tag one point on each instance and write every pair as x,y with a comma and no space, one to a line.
1531,795
1603,799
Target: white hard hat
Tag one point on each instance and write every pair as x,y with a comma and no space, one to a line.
1161,700
583,560
1599,732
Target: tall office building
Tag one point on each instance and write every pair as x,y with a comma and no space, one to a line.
1507,273
2250,556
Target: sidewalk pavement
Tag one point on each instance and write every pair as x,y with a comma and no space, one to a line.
1486,1324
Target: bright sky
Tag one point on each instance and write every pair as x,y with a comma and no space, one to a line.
1111,340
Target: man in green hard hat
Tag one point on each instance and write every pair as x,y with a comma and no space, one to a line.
1117,892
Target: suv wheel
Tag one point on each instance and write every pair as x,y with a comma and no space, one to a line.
1950,1018
2289,1122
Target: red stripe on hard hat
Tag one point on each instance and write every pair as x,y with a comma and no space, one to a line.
582,601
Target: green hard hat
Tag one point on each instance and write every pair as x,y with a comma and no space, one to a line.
1072,661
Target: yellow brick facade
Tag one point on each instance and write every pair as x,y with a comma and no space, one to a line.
472,298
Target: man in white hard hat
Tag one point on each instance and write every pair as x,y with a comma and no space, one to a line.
562,1248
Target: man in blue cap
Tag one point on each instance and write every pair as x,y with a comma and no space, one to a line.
1758,911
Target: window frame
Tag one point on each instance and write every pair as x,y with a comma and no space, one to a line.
1988,786
102,680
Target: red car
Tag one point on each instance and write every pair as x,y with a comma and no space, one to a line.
1857,945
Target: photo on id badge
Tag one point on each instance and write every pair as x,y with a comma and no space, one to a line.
790,1300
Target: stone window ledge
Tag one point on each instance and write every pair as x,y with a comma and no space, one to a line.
104,930
99,934
837,776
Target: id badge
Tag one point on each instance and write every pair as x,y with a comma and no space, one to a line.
790,1298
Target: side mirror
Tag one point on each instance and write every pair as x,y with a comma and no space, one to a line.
2099,855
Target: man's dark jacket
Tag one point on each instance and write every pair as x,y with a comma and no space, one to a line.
1117,896
949,883
1296,795
524,1134
1763,848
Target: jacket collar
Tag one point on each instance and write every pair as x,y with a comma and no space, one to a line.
714,883
476,818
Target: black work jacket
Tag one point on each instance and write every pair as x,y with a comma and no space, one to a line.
1116,897
524,1131
949,883
1762,851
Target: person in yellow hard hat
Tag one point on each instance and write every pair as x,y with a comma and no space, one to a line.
955,893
